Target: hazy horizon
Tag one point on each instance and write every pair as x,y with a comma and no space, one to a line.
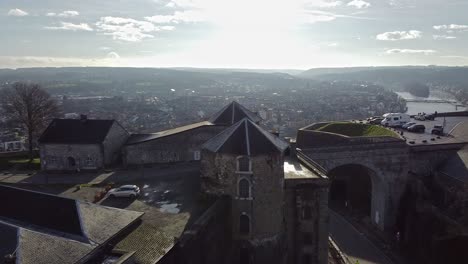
221,34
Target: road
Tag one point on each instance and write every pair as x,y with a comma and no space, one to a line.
354,245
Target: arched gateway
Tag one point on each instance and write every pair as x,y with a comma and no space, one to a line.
358,190
367,174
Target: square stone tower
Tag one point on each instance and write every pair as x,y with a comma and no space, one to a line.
245,162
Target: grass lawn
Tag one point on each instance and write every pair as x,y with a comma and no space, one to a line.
357,130
21,163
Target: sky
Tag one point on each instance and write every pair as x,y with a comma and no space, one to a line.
266,34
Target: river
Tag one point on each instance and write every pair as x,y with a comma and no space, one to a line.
427,107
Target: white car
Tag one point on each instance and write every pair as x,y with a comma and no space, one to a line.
131,191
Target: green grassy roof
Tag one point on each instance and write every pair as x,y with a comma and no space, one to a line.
357,130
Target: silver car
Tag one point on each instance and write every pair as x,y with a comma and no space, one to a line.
131,191
405,126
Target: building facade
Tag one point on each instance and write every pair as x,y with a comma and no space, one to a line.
275,217
183,143
84,144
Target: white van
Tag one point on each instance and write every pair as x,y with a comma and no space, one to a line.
395,119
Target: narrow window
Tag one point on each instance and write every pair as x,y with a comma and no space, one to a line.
243,164
244,188
306,212
244,224
196,155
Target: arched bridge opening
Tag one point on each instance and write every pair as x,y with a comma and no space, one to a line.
353,190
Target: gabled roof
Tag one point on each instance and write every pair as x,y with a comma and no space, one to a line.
139,138
76,131
245,138
232,113
44,228
34,208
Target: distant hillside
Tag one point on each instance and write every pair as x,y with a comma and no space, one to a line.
393,76
119,80
220,70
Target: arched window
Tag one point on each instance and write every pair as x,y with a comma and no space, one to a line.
244,224
243,164
244,188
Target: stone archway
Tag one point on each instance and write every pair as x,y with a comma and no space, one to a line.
357,189
71,162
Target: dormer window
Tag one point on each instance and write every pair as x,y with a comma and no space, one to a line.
244,164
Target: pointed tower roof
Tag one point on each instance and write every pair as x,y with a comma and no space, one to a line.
245,138
233,113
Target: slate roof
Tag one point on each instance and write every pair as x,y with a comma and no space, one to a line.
76,131
34,208
245,138
233,113
51,229
139,138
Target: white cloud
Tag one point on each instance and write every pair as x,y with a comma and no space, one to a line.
443,37
315,16
113,55
36,61
184,3
17,12
68,13
359,4
333,44
400,35
451,27
410,51
178,17
128,29
72,27
104,48
323,3
455,57
320,18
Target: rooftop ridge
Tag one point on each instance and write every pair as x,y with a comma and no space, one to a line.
232,113
256,139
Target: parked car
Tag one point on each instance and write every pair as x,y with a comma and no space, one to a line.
405,126
373,117
130,191
417,128
437,130
376,121
420,117
430,116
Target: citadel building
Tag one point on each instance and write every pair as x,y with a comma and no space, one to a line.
271,197
271,208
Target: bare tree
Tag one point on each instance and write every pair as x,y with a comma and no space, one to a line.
29,105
